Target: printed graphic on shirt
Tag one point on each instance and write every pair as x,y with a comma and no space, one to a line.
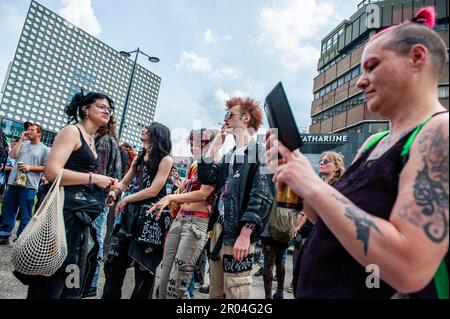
152,231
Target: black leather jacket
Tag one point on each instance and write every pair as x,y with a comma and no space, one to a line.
249,195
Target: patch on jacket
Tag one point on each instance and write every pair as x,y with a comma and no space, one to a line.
231,265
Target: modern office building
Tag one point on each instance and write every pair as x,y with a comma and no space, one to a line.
338,105
53,61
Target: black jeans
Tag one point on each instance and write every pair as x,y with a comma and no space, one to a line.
117,261
116,269
273,255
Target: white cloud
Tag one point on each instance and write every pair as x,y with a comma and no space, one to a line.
193,61
210,37
226,72
10,20
222,96
81,14
231,72
293,28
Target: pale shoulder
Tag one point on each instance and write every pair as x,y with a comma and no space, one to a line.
69,130
68,134
167,160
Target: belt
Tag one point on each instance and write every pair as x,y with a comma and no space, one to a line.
193,213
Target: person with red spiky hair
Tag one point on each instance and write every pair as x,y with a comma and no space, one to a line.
242,200
383,230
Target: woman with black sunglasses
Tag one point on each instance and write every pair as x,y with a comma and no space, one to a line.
331,168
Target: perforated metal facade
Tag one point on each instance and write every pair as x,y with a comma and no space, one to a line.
54,59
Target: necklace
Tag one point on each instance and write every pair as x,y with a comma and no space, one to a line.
91,136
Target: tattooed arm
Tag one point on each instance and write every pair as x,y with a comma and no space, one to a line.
409,247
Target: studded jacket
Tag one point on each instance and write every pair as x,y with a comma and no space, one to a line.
249,194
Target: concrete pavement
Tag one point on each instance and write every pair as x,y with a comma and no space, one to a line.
11,288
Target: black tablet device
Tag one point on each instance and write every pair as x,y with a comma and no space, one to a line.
280,116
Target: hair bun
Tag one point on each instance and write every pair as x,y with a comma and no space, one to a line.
426,16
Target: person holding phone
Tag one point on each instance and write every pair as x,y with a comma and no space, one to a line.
389,212
23,182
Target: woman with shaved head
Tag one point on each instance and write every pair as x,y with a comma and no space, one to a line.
387,216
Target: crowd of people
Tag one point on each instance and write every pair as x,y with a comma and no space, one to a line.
389,208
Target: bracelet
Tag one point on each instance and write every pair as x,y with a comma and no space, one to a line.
90,178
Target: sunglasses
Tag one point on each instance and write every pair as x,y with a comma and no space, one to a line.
202,142
324,161
229,115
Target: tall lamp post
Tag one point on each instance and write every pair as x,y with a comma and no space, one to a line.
152,59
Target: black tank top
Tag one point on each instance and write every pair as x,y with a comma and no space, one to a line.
144,179
325,269
87,198
82,159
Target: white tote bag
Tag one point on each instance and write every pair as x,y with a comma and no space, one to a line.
42,248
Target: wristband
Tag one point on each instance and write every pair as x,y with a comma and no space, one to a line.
90,178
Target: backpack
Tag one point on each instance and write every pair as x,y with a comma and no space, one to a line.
281,223
4,150
441,277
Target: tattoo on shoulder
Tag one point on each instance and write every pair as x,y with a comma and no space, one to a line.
386,143
362,220
430,188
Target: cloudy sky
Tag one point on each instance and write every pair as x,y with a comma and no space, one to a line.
209,49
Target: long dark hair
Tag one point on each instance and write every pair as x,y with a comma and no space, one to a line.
108,129
161,146
74,110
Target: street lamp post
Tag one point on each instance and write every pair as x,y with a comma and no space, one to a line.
152,59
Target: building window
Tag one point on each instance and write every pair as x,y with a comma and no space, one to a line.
443,92
339,108
355,72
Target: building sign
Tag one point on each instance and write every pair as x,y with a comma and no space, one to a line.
373,20
324,139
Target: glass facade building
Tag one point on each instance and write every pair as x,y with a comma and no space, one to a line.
338,105
54,60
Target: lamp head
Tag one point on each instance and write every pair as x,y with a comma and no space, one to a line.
125,54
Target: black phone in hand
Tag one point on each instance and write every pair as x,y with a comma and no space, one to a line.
280,116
